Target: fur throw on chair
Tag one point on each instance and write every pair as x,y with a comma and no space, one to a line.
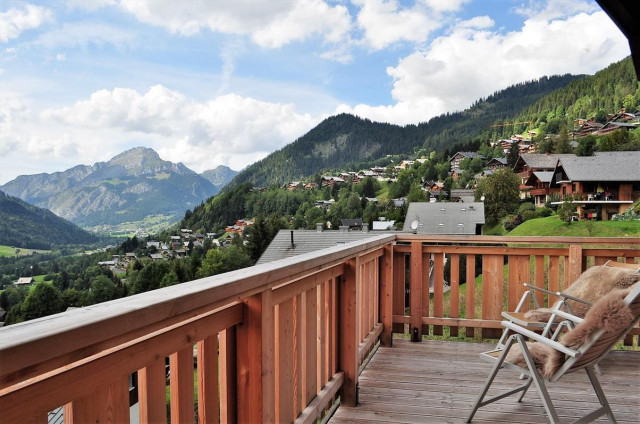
609,313
591,286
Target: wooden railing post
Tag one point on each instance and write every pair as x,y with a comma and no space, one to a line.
348,333
255,340
386,295
416,291
575,262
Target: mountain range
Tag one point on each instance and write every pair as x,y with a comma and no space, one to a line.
27,226
135,187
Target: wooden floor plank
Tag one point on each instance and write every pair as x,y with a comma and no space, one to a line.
437,382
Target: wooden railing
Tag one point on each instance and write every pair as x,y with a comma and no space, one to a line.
277,342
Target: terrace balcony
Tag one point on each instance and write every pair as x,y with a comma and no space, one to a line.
291,340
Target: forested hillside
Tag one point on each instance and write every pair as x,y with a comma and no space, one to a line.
345,142
27,226
607,91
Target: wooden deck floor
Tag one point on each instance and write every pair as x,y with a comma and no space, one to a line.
437,382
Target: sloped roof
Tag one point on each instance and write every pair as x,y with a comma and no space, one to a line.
444,218
469,155
603,166
306,241
540,160
502,161
544,176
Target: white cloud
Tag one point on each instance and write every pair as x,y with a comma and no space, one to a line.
467,64
270,24
385,23
554,9
228,129
15,21
445,6
479,22
86,33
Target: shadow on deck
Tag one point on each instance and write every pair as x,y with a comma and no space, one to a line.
437,382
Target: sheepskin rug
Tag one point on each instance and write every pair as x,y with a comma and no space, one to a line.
609,313
594,283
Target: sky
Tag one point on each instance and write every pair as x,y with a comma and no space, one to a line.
226,82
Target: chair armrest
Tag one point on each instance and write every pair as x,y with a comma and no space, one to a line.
544,340
567,316
559,294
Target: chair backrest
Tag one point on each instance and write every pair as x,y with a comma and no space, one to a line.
602,341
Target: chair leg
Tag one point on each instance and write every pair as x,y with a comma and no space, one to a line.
605,408
524,392
480,402
539,383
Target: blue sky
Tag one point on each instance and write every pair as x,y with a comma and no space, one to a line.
215,82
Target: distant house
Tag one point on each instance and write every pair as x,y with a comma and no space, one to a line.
459,156
156,256
527,164
383,225
497,163
24,281
155,244
602,185
352,224
462,195
445,218
331,181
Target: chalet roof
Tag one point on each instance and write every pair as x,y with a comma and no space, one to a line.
24,281
306,241
357,222
603,166
470,155
502,161
444,217
540,160
544,176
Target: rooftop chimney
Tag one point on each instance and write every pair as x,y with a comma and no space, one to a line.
365,227
319,227
293,246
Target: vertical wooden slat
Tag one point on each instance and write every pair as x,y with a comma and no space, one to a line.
285,360
554,275
268,359
438,290
181,381
575,262
310,356
322,336
399,283
539,277
518,274
426,290
385,304
492,291
249,360
152,392
470,306
333,335
228,386
455,292
108,404
415,298
348,344
376,291
299,320
207,369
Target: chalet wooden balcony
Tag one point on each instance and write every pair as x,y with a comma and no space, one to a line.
281,342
